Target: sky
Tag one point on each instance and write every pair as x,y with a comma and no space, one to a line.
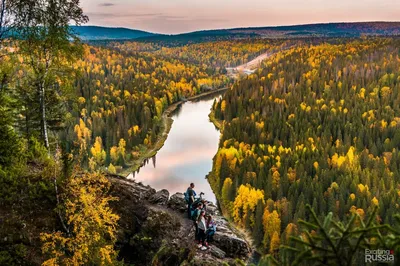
179,16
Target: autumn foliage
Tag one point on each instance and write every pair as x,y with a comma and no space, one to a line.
318,125
91,224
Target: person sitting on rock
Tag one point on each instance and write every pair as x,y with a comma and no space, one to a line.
211,228
189,195
201,227
195,216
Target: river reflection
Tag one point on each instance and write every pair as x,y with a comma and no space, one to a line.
187,153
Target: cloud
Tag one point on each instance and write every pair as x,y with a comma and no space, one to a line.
122,15
106,4
170,17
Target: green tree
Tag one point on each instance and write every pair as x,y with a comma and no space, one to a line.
48,47
258,232
330,242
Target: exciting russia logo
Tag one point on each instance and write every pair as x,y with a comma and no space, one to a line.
379,255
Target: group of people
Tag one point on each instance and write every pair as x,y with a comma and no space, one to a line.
203,222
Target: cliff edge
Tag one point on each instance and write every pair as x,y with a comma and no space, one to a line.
154,230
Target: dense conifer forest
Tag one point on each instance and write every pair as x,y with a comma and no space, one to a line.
317,125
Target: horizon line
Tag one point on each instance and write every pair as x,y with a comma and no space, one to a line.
237,28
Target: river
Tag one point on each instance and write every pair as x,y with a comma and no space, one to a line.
187,153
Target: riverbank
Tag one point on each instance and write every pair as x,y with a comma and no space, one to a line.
149,152
217,123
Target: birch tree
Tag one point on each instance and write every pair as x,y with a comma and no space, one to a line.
48,47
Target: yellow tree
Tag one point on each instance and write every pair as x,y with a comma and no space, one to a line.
122,148
291,230
272,224
245,204
92,226
112,169
275,242
82,134
98,152
114,154
227,195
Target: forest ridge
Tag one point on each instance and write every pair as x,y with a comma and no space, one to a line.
355,29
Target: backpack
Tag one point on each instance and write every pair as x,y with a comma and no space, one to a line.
186,194
194,214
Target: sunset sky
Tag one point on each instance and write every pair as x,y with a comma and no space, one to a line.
177,16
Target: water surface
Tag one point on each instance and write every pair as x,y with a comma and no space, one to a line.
187,153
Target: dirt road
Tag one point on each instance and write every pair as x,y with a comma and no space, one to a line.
249,67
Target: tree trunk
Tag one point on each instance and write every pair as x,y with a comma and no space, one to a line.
43,116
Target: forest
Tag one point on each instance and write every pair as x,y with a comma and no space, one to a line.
308,160
121,99
71,114
316,125
124,88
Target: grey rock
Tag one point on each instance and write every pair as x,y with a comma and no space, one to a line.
232,245
143,212
216,252
212,209
177,202
130,189
160,197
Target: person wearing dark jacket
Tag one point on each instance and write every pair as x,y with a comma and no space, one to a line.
195,216
191,193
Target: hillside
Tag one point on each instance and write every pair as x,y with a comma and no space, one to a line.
316,125
358,29
88,33
325,30
310,30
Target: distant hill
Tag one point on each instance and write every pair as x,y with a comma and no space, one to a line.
91,33
356,29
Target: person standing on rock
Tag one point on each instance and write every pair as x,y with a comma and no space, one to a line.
190,194
195,217
201,228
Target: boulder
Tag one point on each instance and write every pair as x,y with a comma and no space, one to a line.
232,245
177,202
216,252
212,209
160,197
207,259
130,189
230,240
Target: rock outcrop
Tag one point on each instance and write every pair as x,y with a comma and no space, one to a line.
177,202
160,197
154,230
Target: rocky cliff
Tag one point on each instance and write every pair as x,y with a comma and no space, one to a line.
154,230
